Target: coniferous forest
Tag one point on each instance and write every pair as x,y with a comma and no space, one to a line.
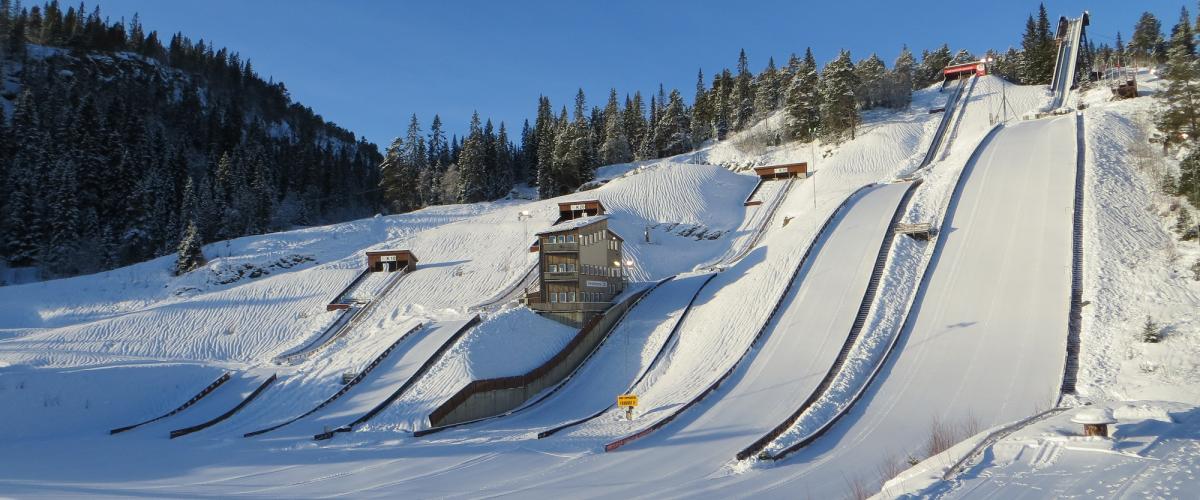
116,144
131,147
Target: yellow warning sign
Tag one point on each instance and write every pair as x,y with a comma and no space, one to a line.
629,400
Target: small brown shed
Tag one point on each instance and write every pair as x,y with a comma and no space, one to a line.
782,171
391,260
570,210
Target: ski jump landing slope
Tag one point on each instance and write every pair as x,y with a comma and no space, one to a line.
392,372
987,336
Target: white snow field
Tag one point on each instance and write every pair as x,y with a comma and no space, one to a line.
91,360
1152,454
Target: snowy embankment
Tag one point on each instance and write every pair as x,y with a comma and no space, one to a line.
1134,265
1152,451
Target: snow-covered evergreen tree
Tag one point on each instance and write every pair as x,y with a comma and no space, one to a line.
190,254
803,99
615,148
901,87
472,165
839,110
741,99
766,91
1151,332
873,82
702,112
673,131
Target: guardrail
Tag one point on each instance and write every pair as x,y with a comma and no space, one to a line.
515,391
366,417
341,328
674,334
906,325
345,388
1075,316
775,309
199,427
200,395
860,320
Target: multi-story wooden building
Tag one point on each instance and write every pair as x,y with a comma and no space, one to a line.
580,268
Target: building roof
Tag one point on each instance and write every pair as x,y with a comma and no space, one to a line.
580,202
392,252
573,224
1094,416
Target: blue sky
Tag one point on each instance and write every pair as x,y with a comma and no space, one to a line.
368,65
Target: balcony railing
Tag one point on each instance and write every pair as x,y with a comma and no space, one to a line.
561,276
569,306
560,247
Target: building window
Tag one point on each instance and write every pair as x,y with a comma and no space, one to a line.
554,297
572,296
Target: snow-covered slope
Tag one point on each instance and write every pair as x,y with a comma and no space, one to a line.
67,346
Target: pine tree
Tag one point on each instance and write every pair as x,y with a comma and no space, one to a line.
803,100
190,254
22,221
673,131
544,129
766,91
873,82
1183,38
1147,37
615,148
1182,97
1189,177
900,91
702,112
472,165
1038,50
839,112
741,100
1151,332
1184,225
503,164
931,67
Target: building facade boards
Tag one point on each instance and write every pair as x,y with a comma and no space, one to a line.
391,260
580,270
568,210
782,171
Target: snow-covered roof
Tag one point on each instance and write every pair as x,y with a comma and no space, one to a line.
573,224
1094,416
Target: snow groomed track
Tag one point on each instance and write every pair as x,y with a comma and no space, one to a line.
350,318
983,344
805,334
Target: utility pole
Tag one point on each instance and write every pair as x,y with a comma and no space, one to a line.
812,153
